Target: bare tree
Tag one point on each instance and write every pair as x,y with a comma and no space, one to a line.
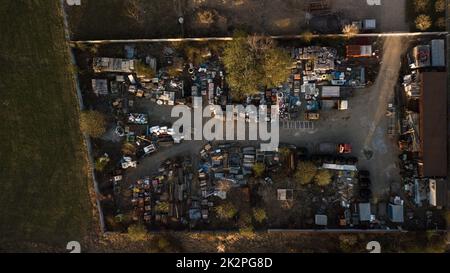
134,10
350,30
258,43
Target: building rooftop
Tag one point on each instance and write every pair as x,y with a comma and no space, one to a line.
433,124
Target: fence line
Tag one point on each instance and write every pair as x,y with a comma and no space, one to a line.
283,37
81,106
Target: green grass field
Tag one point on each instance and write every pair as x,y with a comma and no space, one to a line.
44,195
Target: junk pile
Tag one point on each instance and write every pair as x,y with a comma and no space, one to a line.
207,81
165,197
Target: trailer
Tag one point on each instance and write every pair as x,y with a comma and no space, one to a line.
331,92
438,53
329,148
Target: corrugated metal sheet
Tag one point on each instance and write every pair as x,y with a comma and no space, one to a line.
438,52
433,124
331,92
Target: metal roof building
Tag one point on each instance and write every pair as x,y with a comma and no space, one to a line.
433,124
438,53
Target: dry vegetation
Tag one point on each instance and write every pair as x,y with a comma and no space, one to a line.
44,173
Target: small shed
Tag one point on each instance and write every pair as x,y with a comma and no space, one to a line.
369,24
358,51
396,213
100,86
343,105
328,104
285,194
438,53
331,92
321,220
438,192
364,212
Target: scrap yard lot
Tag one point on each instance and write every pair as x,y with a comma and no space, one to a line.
338,164
44,173
95,137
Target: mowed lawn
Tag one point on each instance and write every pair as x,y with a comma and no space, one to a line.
44,197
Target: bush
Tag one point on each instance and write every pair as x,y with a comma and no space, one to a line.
247,232
306,170
307,36
259,169
421,5
101,163
440,23
225,211
347,243
174,71
143,70
259,214
323,178
284,152
128,149
350,30
137,232
93,123
440,6
423,22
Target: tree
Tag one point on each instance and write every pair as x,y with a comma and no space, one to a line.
101,163
347,243
206,17
134,10
323,178
306,170
253,63
196,54
259,214
247,232
307,36
284,151
439,6
421,5
259,169
350,30
128,149
225,211
440,22
93,123
137,232
423,22
275,65
241,67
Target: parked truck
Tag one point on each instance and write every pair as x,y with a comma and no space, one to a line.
332,148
